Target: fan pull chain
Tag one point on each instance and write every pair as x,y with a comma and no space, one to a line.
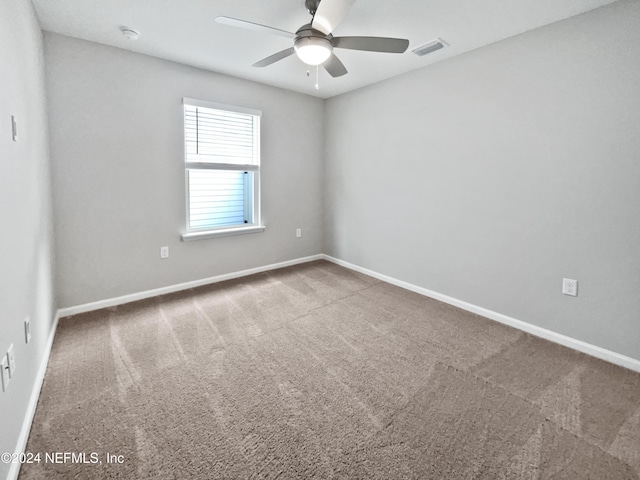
317,77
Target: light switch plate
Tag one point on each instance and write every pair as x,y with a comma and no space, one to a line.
4,365
14,128
27,330
12,361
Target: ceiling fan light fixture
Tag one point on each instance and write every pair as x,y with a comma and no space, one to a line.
313,50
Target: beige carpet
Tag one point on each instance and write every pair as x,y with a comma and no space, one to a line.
316,371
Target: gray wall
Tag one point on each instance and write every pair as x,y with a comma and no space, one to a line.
118,172
491,176
25,212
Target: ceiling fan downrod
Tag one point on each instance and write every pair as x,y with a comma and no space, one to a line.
312,6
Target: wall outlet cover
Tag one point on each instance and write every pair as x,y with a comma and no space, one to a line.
570,287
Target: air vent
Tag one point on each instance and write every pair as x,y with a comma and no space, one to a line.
436,44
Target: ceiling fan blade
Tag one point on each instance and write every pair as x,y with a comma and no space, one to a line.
256,27
372,44
274,58
334,66
329,14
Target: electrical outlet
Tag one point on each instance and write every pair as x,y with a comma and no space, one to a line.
12,361
164,252
570,287
27,330
298,232
4,365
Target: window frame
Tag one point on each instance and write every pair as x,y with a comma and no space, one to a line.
256,225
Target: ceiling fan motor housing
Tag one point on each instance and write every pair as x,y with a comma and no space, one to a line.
307,31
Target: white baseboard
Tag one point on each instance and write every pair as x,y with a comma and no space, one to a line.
21,445
112,302
579,345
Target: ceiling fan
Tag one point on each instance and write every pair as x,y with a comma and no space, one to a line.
314,43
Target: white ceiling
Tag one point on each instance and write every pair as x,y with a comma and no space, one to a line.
185,31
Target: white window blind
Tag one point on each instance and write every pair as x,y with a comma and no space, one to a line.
222,158
220,136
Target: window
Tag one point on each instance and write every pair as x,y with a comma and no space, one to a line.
222,162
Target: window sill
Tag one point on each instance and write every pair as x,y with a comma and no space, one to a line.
223,232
